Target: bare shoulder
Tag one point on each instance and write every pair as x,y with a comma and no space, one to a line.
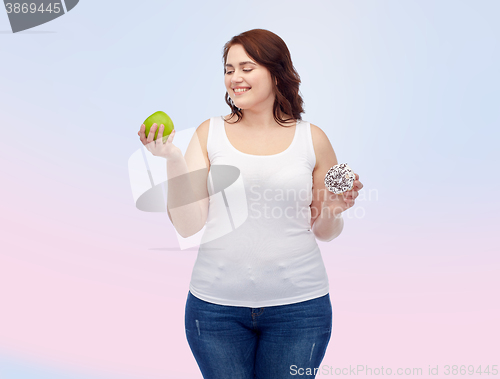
322,146
198,144
202,132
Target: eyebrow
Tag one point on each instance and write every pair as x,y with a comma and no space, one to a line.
241,64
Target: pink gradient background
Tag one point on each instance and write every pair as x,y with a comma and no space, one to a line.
91,287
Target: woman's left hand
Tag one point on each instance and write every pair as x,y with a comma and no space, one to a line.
341,202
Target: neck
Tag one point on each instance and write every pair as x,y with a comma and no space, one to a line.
259,121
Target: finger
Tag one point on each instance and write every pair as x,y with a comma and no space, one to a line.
171,136
352,195
357,176
142,133
152,131
159,137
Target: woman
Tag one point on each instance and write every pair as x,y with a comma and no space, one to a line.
258,304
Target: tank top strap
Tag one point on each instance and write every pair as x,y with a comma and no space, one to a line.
215,136
304,147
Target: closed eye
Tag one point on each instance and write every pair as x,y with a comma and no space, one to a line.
229,72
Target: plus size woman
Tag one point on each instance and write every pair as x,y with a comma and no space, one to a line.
258,304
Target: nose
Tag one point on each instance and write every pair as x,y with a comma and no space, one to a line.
236,79
235,82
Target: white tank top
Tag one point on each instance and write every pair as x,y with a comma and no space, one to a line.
272,258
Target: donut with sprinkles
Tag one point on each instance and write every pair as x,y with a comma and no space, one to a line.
340,178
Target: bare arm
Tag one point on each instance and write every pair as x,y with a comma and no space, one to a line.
187,192
183,202
325,225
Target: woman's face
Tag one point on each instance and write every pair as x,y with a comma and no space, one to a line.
257,78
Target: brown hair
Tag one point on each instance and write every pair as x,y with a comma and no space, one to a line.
270,51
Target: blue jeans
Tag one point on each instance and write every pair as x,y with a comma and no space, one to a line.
283,341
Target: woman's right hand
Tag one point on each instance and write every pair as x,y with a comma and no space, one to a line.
157,147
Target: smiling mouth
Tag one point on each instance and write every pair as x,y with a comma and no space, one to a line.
240,92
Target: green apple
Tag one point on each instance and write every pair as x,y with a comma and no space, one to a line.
159,118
